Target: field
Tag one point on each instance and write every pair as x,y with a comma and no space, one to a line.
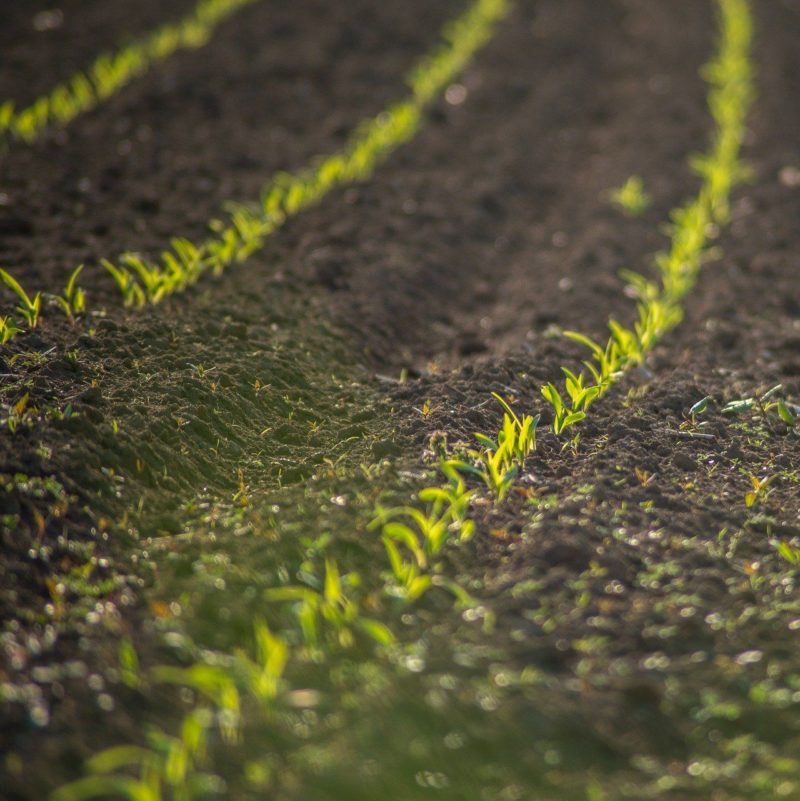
400,400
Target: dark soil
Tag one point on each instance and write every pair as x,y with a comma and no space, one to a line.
457,264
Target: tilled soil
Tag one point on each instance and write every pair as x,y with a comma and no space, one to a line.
627,562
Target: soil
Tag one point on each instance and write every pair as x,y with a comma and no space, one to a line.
627,568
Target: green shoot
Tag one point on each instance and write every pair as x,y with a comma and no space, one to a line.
8,329
500,459
760,492
631,197
28,307
700,407
73,301
132,293
788,552
766,405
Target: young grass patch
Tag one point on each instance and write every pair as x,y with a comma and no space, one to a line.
112,71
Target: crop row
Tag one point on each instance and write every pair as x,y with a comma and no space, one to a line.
109,72
691,228
499,459
141,280
333,608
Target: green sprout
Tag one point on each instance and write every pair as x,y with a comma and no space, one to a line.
631,197
28,307
760,492
499,461
73,301
132,294
8,329
788,552
332,605
765,405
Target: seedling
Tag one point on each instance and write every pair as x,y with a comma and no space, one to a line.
765,405
699,408
8,329
760,492
500,460
788,552
21,413
695,411
28,307
132,294
332,605
631,197
563,416
73,301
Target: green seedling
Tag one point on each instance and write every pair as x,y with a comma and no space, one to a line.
412,537
424,533
765,405
28,307
73,301
789,414
788,552
631,197
8,329
564,416
215,684
697,410
500,460
21,413
700,407
760,492
331,605
132,294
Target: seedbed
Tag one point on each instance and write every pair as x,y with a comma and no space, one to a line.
251,545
